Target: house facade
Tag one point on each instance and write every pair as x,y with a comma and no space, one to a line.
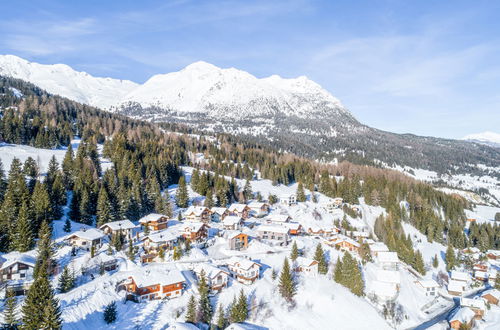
237,241
243,270
17,266
288,199
149,286
126,227
219,213
277,234
86,239
232,222
306,266
195,231
154,221
216,278
258,209
198,214
240,210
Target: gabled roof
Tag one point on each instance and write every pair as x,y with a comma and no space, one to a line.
428,283
211,271
193,226
89,234
379,247
460,276
305,262
387,257
166,235
237,207
273,229
473,303
256,205
455,286
232,220
151,217
242,263
279,217
493,292
14,257
218,210
196,210
342,238
148,278
463,315
118,225
292,225
230,234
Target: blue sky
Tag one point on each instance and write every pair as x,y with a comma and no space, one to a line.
423,67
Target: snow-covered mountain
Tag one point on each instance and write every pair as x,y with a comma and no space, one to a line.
62,80
488,138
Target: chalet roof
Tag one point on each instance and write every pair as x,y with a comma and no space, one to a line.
292,225
230,234
379,247
346,239
14,257
494,252
455,286
193,226
493,292
148,278
473,303
480,273
232,220
242,263
383,289
243,326
151,217
389,276
218,210
463,315
196,210
117,225
90,234
286,196
211,271
359,234
256,205
273,229
305,262
237,207
387,257
165,235
460,276
428,283
279,217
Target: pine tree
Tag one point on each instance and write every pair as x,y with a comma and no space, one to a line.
110,313
435,261
338,273
209,202
419,263
450,258
45,248
221,318
247,191
66,281
191,310
67,225
40,206
295,251
204,306
301,195
287,285
182,196
23,240
67,168
319,256
177,253
10,320
242,308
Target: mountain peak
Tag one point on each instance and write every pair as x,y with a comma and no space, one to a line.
201,66
490,138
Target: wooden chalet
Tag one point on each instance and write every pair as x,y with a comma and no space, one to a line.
150,286
216,278
194,231
219,213
198,214
237,240
492,296
154,221
232,222
86,238
126,227
243,270
240,210
258,209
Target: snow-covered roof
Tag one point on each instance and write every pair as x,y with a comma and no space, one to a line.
455,286
242,263
182,326
256,205
211,271
342,238
148,278
379,247
15,257
273,229
494,252
428,283
118,225
292,225
463,315
473,303
305,262
230,234
390,276
218,210
89,234
359,234
387,257
231,220
279,217
383,289
163,236
193,226
237,207
493,292
480,273
196,210
151,217
460,276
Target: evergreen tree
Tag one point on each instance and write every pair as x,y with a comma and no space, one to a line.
66,281
110,313
301,195
247,191
295,251
67,225
23,239
241,308
204,306
450,258
209,201
182,196
45,248
338,273
419,263
10,320
40,206
221,318
191,310
287,285
435,261
319,256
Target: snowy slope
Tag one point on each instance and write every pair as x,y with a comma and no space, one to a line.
489,138
62,80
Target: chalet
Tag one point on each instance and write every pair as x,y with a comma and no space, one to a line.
278,234
244,270
460,276
333,204
478,306
288,199
456,288
232,222
219,213
216,277
154,221
198,214
471,250
278,218
165,239
429,287
17,266
464,315
293,227
493,254
240,210
151,286
358,235
306,266
388,260
491,296
194,231
384,291
481,276
378,247
321,231
126,227
389,276
344,243
258,209
237,240
480,267
86,239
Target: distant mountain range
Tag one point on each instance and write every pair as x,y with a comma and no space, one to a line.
488,138
295,115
